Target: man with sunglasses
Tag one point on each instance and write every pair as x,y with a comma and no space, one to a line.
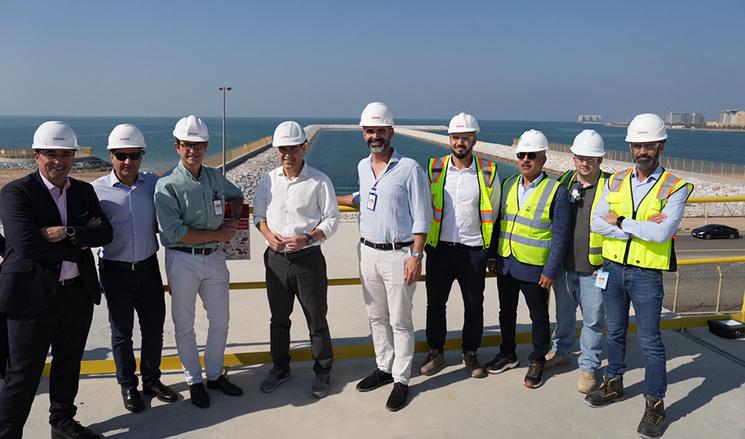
531,242
48,282
575,285
129,270
638,216
465,194
190,206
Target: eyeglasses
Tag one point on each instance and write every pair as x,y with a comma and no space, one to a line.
193,146
648,146
122,156
54,155
528,155
582,158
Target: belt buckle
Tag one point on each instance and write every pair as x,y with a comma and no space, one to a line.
134,266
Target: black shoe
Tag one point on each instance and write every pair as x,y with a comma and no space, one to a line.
321,385
397,399
611,390
199,396
133,400
534,376
160,391
274,379
652,424
225,386
71,429
374,380
501,363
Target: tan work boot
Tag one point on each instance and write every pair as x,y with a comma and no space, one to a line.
473,367
586,382
434,363
553,360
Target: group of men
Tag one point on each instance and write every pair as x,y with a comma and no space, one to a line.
600,240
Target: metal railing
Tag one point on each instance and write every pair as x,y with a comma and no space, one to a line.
28,153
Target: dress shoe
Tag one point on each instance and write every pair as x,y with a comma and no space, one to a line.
160,391
133,400
397,399
321,385
374,380
199,396
71,429
225,386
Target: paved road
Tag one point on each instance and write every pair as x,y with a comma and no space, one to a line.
687,246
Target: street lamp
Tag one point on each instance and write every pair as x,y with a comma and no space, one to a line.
224,89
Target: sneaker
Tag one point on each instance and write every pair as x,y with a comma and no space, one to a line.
653,421
554,359
274,379
434,363
225,386
321,385
397,399
473,367
610,390
374,380
501,363
534,377
586,381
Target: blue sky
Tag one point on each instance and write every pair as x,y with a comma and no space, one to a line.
541,60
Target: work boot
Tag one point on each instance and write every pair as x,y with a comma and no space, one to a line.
434,363
611,390
554,359
652,424
586,381
473,367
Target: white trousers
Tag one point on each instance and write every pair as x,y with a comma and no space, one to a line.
208,276
389,304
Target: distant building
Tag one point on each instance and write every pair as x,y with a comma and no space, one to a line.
740,119
727,117
589,118
686,119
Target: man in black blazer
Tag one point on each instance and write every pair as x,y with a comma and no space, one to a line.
48,282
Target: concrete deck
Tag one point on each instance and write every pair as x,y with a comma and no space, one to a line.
705,396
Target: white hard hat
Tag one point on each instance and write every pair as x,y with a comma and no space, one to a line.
191,129
55,135
126,136
376,114
463,123
532,141
288,133
588,143
646,127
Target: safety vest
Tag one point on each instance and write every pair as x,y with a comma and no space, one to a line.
486,172
596,240
635,251
525,231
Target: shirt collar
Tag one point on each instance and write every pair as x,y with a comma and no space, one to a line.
280,172
470,169
655,175
186,172
535,182
50,186
114,180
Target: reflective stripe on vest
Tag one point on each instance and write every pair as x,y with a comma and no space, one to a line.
486,172
525,231
635,251
595,252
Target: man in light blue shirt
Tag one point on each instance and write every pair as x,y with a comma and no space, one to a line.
395,212
128,266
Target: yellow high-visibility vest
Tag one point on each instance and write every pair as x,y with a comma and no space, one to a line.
595,254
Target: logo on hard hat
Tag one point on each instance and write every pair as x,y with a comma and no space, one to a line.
193,133
459,126
642,132
58,138
284,137
124,138
375,117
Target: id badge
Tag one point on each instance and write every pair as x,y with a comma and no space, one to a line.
217,204
372,200
601,279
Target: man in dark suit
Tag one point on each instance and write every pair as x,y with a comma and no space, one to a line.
48,282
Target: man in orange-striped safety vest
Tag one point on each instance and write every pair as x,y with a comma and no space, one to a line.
465,196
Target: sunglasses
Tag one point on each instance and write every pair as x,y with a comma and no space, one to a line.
529,155
122,156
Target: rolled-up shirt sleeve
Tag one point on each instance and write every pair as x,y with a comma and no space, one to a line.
172,227
420,201
330,215
261,198
664,231
599,225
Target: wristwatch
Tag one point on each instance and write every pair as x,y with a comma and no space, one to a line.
418,255
310,238
619,220
70,232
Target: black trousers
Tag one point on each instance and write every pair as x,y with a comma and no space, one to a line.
446,264
63,326
128,291
537,301
303,275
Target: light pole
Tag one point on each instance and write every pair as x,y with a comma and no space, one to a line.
224,89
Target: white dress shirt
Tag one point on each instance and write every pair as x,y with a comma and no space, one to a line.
461,222
69,269
292,207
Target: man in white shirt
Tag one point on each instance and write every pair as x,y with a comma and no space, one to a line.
295,209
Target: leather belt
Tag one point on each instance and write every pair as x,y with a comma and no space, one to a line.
151,262
386,246
458,244
68,282
195,251
299,253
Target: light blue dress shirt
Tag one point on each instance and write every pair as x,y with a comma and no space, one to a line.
401,198
523,191
645,230
131,212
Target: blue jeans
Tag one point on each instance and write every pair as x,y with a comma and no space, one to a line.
572,289
642,288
